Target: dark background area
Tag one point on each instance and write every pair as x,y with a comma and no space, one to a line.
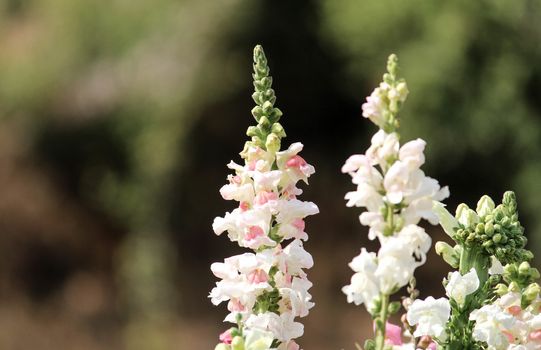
117,120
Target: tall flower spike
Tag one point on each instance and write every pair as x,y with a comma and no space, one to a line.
267,288
397,195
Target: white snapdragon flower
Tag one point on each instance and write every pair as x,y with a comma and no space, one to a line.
364,287
375,107
430,316
460,286
283,327
490,323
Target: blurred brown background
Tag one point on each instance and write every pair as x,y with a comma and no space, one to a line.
117,119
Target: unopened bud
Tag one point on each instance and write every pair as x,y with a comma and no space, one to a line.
222,346
531,292
485,206
466,216
393,307
514,287
273,143
501,289
448,254
524,268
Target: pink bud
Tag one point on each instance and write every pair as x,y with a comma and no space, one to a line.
226,337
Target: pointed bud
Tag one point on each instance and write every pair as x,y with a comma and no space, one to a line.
466,216
448,254
394,307
531,292
524,268
447,221
501,289
273,143
485,206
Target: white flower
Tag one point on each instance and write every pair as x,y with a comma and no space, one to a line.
459,287
395,265
430,316
283,327
374,108
490,322
364,285
257,339
384,148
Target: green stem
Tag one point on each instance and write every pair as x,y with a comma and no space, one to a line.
381,322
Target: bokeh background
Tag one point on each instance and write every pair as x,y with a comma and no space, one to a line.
117,119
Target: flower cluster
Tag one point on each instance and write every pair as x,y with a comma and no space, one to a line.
474,316
397,195
267,289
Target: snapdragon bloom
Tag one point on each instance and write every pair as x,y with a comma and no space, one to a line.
267,289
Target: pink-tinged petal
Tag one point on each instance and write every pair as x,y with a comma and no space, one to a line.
432,346
257,276
226,337
254,232
509,336
514,310
393,334
299,223
244,206
235,305
535,335
296,162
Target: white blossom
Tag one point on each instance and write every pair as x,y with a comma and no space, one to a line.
430,316
460,286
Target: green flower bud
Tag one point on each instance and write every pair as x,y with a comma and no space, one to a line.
497,238
447,221
531,293
501,289
448,254
480,228
466,216
237,343
273,143
489,228
222,346
514,287
278,130
393,307
524,268
485,206
534,273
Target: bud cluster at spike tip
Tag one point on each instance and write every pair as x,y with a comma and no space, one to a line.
267,289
